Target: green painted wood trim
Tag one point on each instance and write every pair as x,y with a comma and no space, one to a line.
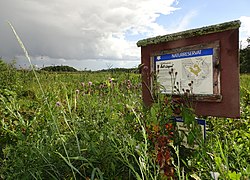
190,33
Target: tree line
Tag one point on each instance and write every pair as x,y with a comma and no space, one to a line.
59,69
245,58
244,64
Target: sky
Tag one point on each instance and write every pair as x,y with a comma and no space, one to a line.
101,34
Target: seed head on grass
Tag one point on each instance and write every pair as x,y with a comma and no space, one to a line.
77,93
58,103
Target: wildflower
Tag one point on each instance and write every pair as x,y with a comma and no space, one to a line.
90,83
58,103
82,84
169,126
111,80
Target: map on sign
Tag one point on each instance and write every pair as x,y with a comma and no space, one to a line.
190,71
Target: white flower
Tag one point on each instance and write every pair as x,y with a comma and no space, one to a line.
215,175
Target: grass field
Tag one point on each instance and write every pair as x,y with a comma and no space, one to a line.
94,126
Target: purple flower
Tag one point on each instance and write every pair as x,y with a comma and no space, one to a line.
101,86
90,83
58,103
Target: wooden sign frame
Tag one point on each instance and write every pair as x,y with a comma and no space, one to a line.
216,95
224,40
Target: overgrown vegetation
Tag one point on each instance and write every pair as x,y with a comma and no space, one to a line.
94,126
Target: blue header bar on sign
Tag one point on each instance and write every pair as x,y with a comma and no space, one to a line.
187,54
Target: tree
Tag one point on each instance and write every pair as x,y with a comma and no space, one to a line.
59,69
245,58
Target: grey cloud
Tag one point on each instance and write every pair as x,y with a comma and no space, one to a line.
78,29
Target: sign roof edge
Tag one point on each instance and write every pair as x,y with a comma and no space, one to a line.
190,33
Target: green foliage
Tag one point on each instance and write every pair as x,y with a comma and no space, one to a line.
227,144
77,138
59,69
245,59
8,75
94,125
124,70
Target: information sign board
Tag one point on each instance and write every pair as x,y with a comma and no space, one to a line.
188,70
202,62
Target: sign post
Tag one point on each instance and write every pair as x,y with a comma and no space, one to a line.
203,62
201,65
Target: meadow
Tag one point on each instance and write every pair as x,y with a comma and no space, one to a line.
93,125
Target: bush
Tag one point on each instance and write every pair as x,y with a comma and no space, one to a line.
8,75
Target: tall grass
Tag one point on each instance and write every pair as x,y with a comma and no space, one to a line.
55,123
95,126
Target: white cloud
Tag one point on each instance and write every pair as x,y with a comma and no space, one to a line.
244,29
80,29
184,22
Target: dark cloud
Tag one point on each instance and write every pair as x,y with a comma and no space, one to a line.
78,30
